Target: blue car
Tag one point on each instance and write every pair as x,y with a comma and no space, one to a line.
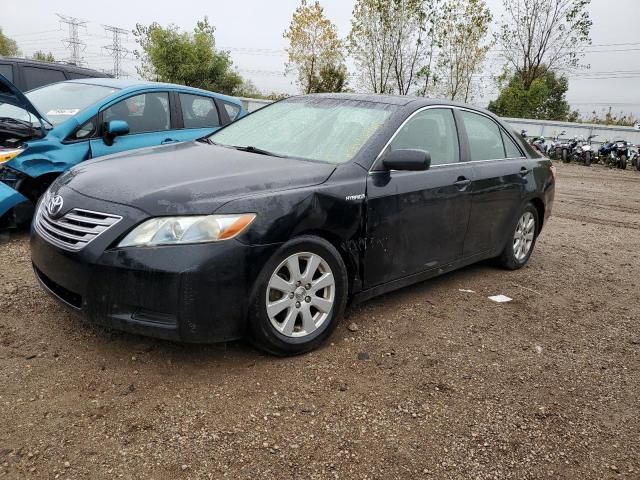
46,131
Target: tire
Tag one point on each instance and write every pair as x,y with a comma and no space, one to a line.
511,258
622,163
587,159
638,163
282,330
558,153
565,156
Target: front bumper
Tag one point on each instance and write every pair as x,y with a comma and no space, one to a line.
190,293
10,199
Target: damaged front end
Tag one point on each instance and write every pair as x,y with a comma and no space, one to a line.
15,209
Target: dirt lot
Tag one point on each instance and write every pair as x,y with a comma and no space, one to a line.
435,383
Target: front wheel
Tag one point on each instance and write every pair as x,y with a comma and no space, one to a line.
298,297
587,159
622,163
519,247
565,156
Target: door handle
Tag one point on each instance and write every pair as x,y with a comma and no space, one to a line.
524,171
168,140
462,183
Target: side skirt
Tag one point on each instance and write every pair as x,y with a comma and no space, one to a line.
365,295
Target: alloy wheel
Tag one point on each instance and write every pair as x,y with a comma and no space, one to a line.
300,294
523,238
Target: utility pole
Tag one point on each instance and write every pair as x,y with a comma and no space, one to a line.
73,42
117,51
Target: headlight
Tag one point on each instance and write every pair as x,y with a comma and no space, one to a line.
6,155
181,230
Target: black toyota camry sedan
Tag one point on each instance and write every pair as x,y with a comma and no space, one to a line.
268,227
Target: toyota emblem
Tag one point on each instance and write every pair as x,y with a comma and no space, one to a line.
54,205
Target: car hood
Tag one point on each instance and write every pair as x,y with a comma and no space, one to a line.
10,94
192,178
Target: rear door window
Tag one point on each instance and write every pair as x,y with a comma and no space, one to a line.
6,70
485,139
35,77
148,112
199,111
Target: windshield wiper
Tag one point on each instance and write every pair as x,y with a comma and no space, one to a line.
260,151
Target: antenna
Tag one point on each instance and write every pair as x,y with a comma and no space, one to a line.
117,51
73,42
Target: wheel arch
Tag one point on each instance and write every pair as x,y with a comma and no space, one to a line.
352,264
539,205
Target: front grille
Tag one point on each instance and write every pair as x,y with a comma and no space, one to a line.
74,230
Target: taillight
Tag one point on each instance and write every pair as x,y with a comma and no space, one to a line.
553,173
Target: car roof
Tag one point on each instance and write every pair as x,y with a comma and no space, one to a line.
399,100
125,83
70,67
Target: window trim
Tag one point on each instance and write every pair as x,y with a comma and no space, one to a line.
374,166
100,114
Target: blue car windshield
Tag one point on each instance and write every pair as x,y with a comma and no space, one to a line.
58,102
314,128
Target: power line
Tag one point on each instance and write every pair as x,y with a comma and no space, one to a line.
118,52
73,42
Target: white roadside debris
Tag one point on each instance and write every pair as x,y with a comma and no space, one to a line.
464,290
500,298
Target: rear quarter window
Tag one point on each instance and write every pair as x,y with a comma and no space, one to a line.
232,110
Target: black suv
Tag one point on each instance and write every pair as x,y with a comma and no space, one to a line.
29,74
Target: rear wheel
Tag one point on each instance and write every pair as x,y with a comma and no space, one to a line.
298,298
519,248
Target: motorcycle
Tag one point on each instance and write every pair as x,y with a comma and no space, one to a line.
536,142
567,149
634,156
582,152
619,154
554,151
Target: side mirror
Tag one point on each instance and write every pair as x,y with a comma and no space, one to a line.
113,129
407,159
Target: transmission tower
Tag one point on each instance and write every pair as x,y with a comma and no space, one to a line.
116,50
73,42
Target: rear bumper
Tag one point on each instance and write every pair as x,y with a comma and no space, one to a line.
194,293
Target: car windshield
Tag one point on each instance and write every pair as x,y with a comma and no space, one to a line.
58,102
324,129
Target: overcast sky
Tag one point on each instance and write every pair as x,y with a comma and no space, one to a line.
252,31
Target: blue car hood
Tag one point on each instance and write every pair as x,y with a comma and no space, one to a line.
11,95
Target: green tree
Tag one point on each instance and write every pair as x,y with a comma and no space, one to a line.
392,44
462,38
43,57
315,51
544,99
170,55
8,46
540,35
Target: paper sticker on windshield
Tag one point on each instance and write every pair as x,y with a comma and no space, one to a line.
63,111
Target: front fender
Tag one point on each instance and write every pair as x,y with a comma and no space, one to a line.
9,198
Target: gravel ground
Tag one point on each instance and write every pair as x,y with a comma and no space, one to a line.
427,382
